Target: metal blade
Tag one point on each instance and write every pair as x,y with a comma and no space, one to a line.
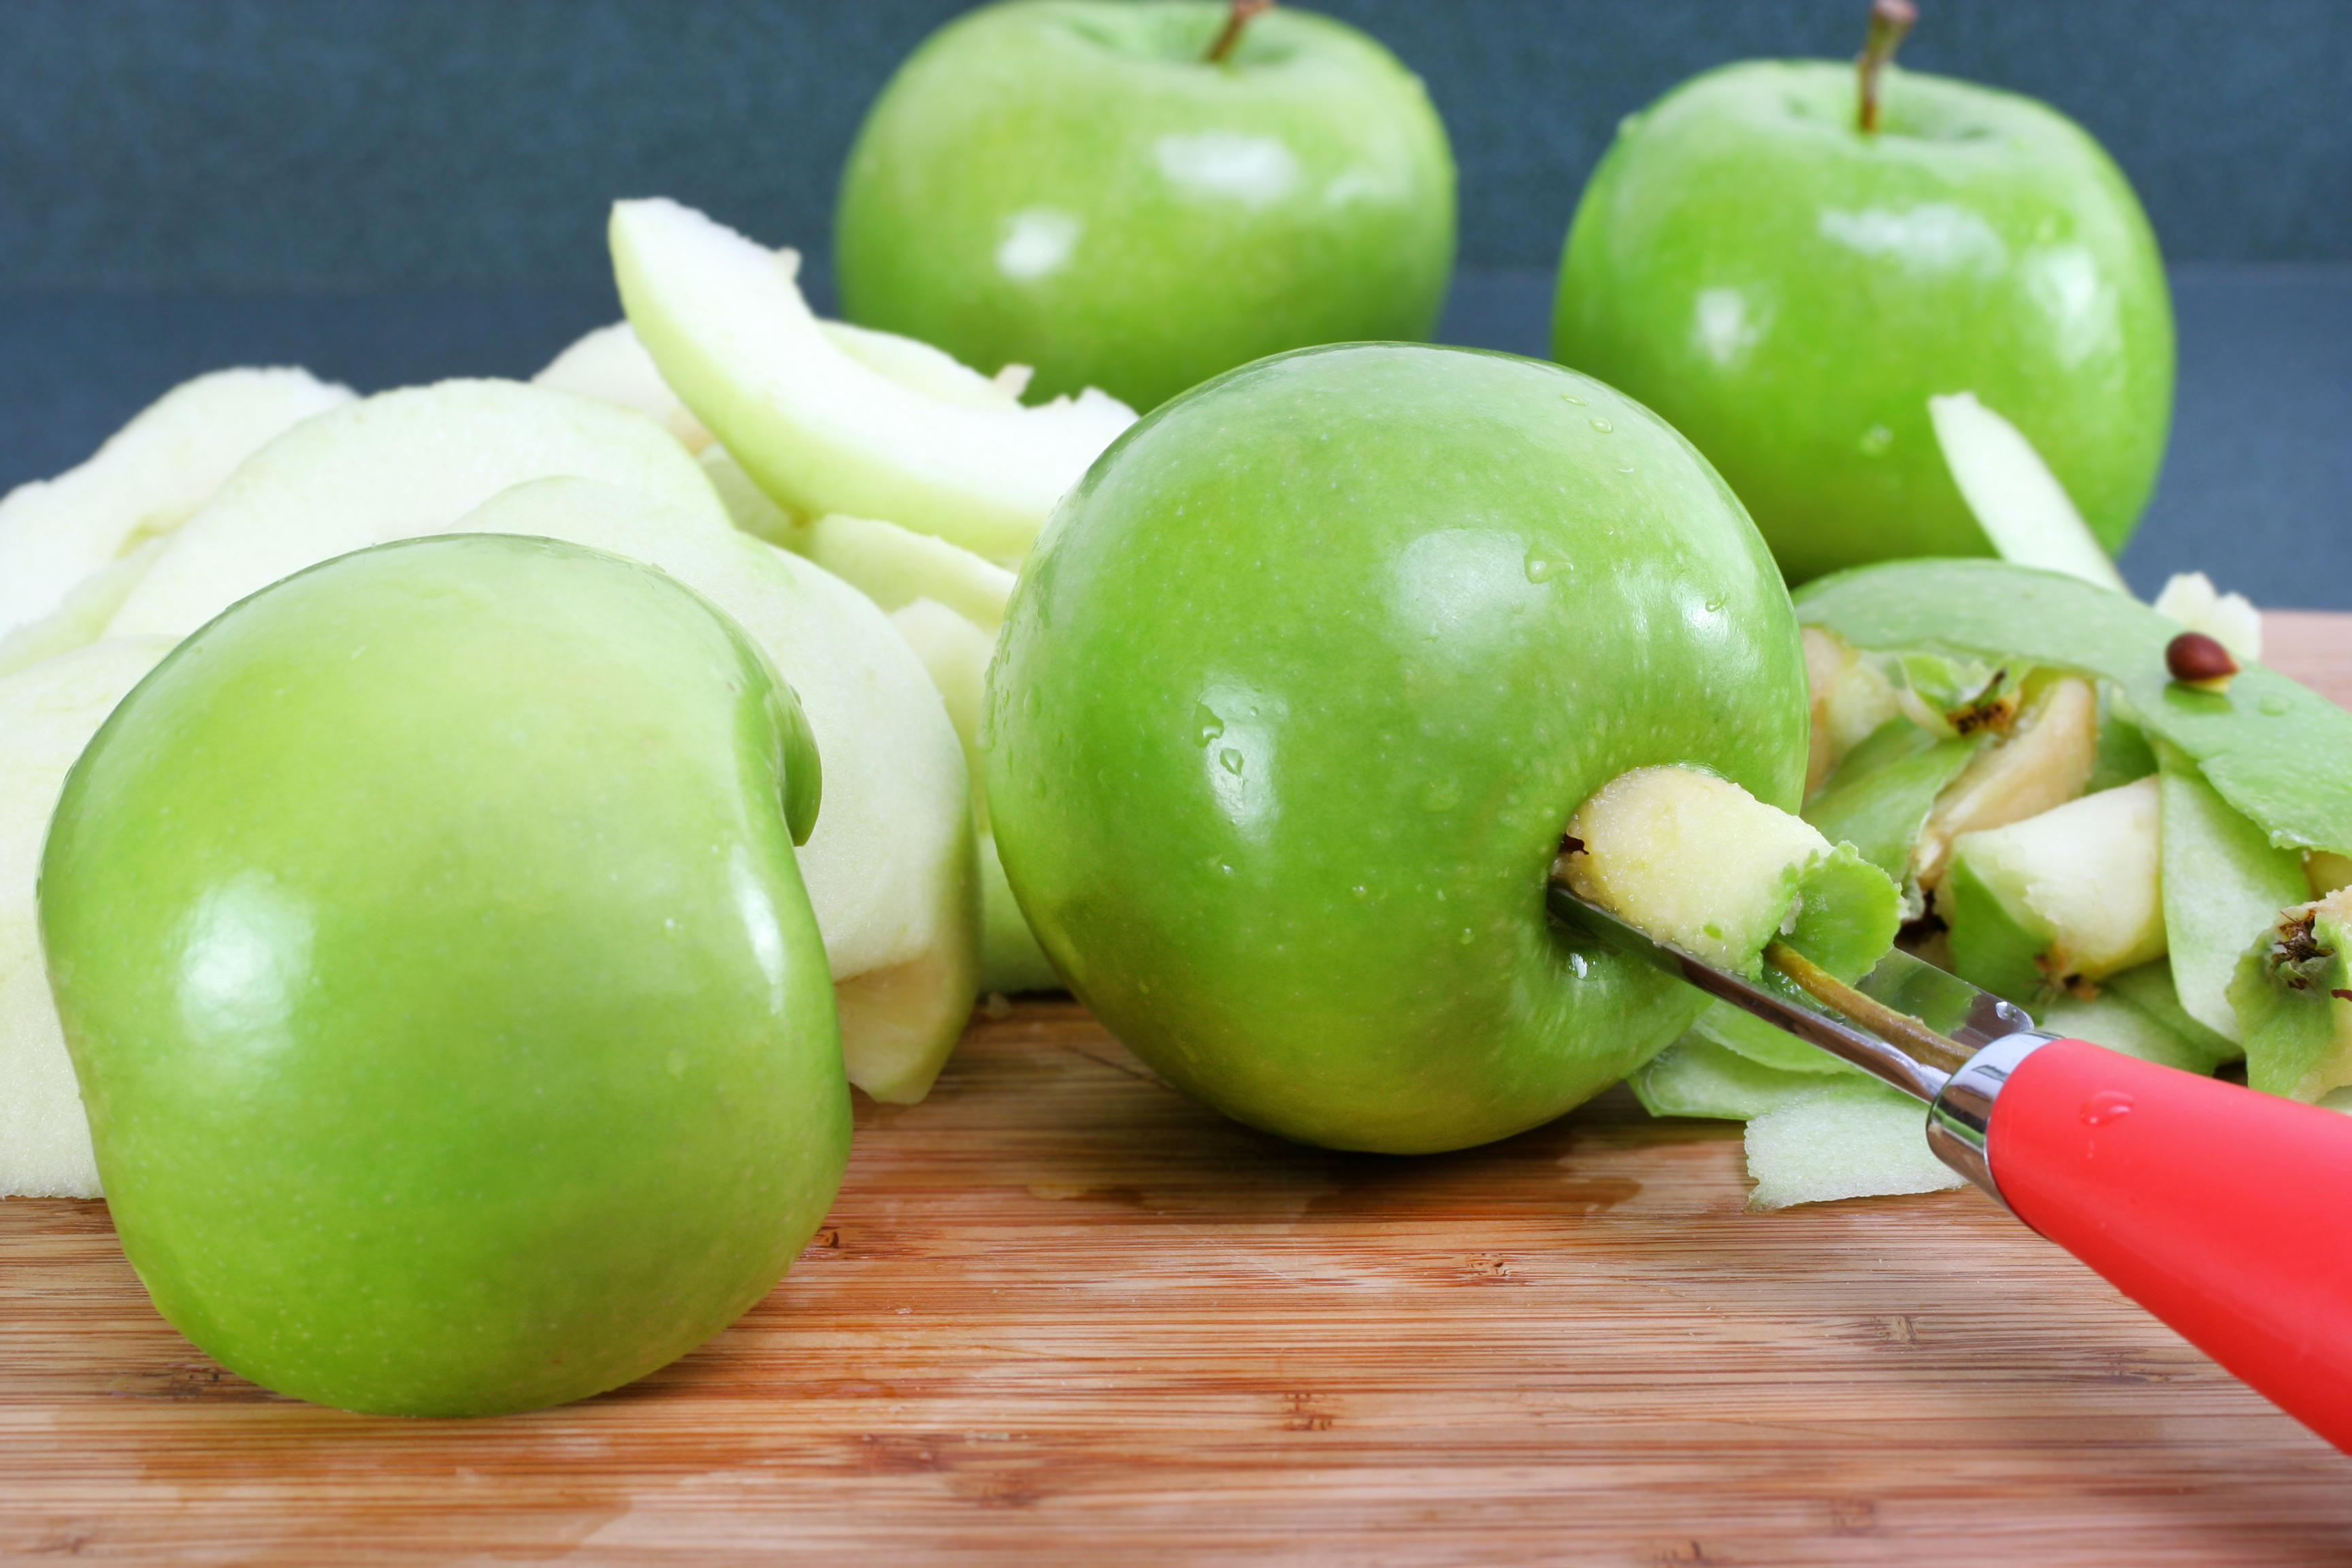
1814,1025
1970,1017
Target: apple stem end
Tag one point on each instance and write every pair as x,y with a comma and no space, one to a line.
1889,20
1235,20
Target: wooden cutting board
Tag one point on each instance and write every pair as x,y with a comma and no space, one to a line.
1060,1314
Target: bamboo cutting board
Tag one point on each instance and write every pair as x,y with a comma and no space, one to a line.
1060,1314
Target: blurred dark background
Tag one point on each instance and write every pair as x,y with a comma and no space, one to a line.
398,190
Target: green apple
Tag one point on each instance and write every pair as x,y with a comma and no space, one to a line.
828,420
1078,186
1299,691
73,547
1790,290
454,1031
47,714
392,467
889,869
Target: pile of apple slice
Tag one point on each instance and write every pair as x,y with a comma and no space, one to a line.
2150,863
722,423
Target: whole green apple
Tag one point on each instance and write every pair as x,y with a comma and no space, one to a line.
1299,691
454,1029
1789,290
1075,185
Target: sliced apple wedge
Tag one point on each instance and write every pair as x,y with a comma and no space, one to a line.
392,467
47,714
889,868
955,652
148,479
2070,895
863,430
895,566
610,365
2018,502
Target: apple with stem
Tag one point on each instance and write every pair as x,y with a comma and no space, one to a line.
1298,692
1138,196
1788,263
455,1030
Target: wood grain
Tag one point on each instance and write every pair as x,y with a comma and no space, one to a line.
1060,1314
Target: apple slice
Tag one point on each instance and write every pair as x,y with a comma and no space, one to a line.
822,428
955,653
2044,761
1695,1076
2070,895
394,466
2018,502
1696,861
146,480
1851,700
889,868
47,714
610,365
2278,751
895,566
749,505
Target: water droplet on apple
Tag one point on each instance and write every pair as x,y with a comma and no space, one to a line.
1468,936
1361,891
1576,962
1625,467
1230,760
1541,567
2275,705
1224,865
1604,425
1208,726
1875,440
1572,398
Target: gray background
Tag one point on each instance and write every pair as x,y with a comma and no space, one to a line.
395,190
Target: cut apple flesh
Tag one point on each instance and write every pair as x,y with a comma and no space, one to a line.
2043,761
395,466
2278,753
2070,895
1851,701
47,714
610,365
2023,509
863,430
895,566
1696,861
148,479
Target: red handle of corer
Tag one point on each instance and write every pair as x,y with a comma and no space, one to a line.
2222,1211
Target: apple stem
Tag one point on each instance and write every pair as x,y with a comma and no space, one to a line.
1889,20
1235,20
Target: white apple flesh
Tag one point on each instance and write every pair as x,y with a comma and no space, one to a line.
876,429
394,466
148,479
2018,502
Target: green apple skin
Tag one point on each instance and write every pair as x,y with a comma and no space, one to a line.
1293,702
1788,292
1070,184
454,1032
